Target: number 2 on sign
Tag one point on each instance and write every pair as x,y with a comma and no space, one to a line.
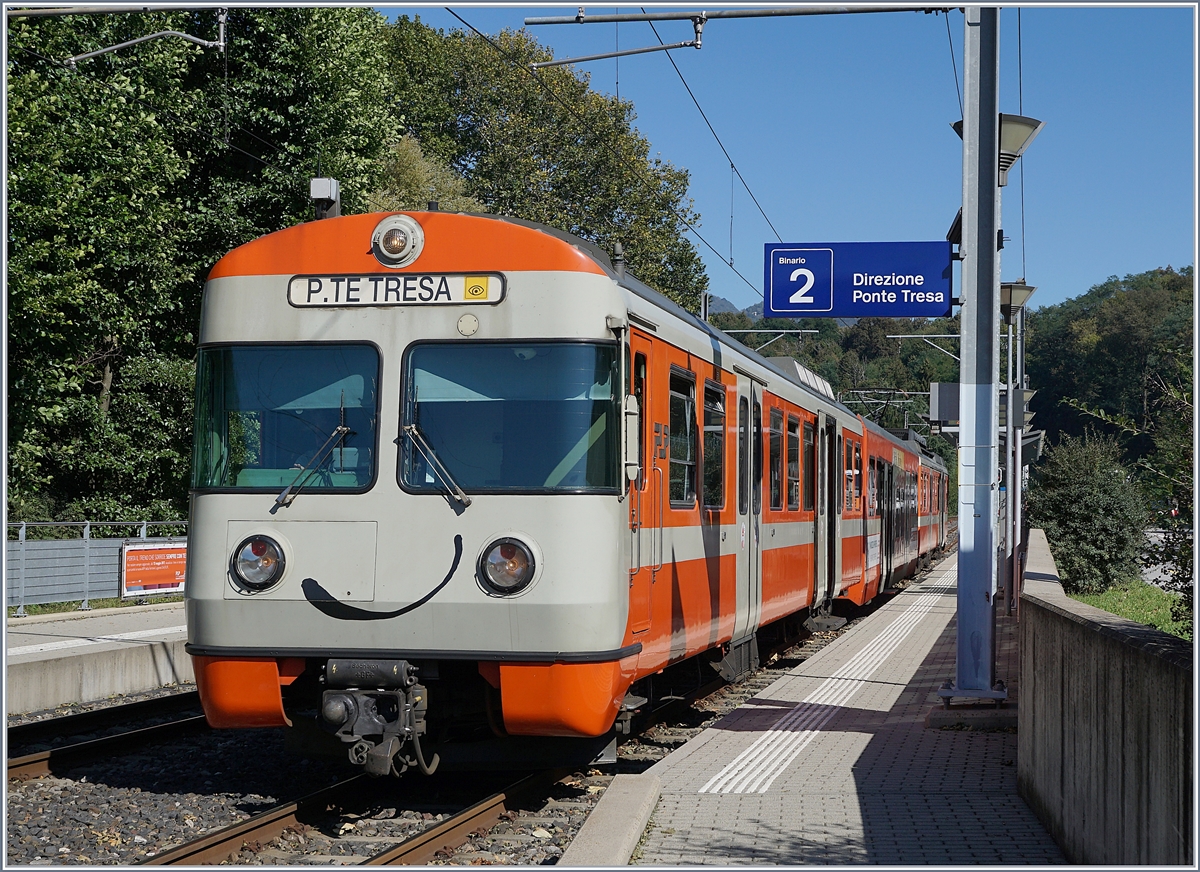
802,296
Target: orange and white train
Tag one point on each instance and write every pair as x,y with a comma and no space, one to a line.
459,477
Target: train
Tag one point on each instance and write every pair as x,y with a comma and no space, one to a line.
461,479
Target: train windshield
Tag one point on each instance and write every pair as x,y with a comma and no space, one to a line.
508,417
264,414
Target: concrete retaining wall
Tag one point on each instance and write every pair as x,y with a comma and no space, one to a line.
1105,727
44,684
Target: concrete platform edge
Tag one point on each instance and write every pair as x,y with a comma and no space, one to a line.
14,623
44,684
612,831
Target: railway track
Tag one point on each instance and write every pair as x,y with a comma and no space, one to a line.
154,720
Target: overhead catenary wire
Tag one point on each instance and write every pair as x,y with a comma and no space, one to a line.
954,63
636,169
724,150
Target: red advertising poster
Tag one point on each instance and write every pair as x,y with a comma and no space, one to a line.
153,568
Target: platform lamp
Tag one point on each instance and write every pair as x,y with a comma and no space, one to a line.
1013,297
1016,132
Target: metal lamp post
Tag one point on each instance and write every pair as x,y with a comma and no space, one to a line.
1012,306
990,148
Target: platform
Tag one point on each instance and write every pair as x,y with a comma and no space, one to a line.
78,656
834,763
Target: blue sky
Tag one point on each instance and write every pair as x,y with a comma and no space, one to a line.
840,124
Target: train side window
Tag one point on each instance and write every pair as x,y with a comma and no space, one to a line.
757,458
857,476
775,458
810,466
714,446
743,456
793,463
849,477
682,472
639,393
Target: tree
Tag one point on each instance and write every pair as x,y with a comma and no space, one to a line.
546,148
128,179
1092,511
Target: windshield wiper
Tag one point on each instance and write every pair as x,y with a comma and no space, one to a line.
418,439
288,495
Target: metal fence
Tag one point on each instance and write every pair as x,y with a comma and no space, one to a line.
53,570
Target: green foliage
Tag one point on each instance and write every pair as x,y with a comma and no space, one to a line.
127,180
410,180
546,148
1105,348
1092,511
1144,603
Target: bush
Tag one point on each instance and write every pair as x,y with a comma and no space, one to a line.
1092,511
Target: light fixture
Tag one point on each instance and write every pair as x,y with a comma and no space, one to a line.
1013,296
1016,132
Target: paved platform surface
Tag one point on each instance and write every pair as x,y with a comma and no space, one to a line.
84,656
833,763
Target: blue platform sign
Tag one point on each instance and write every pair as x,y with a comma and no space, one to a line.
857,280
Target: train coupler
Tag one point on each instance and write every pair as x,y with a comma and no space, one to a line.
378,708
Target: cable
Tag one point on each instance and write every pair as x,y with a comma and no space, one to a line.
637,170
954,63
713,132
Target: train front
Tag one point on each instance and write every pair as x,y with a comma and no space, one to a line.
406,516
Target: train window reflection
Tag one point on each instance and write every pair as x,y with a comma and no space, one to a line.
263,413
507,417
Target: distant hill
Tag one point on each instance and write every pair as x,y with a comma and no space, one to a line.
717,305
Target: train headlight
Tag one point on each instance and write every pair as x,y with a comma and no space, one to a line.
258,562
397,241
506,566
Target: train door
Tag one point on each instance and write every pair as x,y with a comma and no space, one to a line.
829,510
645,503
749,497
888,523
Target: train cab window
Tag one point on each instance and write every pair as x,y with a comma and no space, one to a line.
793,463
682,472
857,476
639,393
714,446
743,456
775,458
511,417
810,466
268,416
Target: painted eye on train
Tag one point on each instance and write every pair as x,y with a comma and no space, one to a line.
506,566
258,562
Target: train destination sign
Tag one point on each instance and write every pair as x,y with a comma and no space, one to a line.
395,289
857,280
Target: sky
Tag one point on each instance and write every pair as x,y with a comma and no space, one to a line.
840,126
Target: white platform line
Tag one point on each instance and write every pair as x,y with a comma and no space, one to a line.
138,635
758,766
